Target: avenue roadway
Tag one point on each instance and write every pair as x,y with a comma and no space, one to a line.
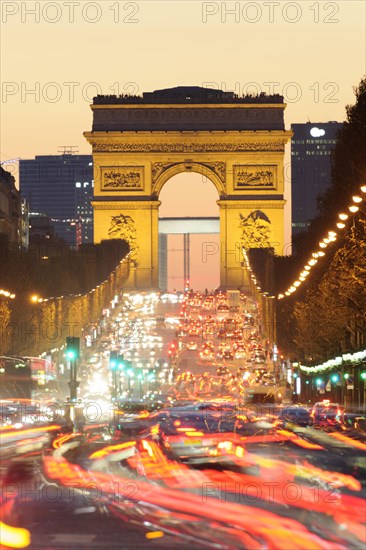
182,460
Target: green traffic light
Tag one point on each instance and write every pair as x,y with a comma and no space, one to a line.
335,378
363,375
72,348
346,376
318,381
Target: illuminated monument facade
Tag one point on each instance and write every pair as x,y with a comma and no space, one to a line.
139,143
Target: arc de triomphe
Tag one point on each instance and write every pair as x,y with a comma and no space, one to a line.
139,143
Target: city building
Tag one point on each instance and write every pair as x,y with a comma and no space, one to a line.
40,227
61,188
84,209
24,224
311,148
10,208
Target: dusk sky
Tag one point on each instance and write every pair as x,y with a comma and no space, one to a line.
55,56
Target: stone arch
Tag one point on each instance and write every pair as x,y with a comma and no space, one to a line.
214,171
238,143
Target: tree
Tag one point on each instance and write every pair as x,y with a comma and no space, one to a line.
331,317
348,159
5,316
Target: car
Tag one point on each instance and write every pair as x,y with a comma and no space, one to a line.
207,355
208,345
161,364
192,346
228,355
325,412
297,415
190,433
222,371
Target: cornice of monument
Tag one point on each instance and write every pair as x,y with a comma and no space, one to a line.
189,141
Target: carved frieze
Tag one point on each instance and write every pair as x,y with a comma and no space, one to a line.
124,227
122,178
255,176
256,230
187,147
159,167
219,168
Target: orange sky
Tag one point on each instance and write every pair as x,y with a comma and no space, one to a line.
313,52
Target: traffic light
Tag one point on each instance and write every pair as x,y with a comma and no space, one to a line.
113,361
72,348
118,362
123,363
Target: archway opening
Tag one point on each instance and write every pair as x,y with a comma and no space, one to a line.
189,195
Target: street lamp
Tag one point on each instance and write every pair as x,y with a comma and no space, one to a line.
356,198
353,208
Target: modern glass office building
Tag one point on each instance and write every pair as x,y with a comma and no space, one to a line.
61,186
311,148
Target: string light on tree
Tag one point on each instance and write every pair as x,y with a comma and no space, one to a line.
330,238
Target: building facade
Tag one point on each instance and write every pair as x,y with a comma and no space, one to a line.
311,148
10,209
61,188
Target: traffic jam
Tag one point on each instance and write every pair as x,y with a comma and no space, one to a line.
185,433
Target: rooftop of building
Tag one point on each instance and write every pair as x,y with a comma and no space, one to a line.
7,179
308,123
187,95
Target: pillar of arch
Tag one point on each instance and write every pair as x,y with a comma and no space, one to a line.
140,143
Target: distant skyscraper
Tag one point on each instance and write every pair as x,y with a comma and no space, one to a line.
61,187
311,148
